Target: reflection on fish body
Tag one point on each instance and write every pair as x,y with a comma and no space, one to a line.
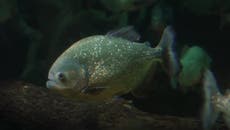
108,64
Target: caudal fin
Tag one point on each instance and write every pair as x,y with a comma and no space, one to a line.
167,44
210,88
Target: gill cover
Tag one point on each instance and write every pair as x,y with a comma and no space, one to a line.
67,73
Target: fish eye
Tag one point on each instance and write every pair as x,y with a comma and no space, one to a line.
60,76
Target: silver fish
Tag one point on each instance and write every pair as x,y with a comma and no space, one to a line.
215,102
210,89
109,64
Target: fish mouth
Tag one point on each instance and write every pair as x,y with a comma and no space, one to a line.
50,84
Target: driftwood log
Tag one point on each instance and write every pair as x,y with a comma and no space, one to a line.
26,106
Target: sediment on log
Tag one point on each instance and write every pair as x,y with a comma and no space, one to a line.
26,106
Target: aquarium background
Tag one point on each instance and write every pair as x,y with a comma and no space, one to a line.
34,33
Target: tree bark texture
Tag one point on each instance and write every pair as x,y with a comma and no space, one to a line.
26,106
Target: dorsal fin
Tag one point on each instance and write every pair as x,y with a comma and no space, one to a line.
127,32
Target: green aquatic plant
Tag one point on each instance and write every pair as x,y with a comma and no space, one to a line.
161,15
7,9
199,6
196,71
118,5
194,61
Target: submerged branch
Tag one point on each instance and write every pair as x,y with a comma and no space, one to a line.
31,107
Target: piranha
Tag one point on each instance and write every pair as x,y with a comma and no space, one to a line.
109,65
195,71
215,102
210,88
194,61
222,105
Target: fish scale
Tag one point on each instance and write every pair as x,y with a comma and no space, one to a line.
107,63
110,59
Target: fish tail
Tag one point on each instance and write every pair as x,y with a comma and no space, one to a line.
167,44
210,88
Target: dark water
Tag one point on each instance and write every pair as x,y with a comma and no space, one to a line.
34,33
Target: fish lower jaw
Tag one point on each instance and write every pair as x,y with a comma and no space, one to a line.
53,85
